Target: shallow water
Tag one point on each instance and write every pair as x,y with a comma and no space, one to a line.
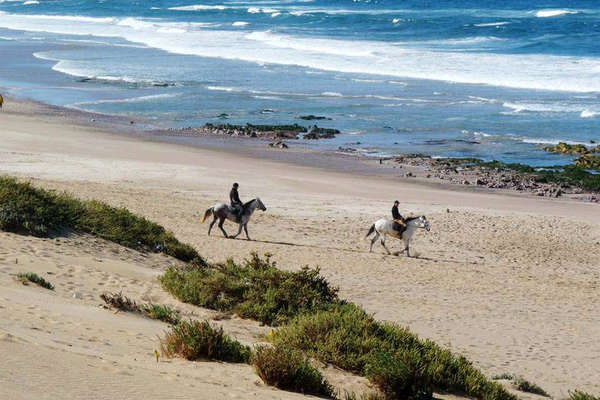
451,79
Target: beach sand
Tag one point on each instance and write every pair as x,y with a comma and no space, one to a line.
511,281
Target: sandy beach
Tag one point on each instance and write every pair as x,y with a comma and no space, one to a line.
509,280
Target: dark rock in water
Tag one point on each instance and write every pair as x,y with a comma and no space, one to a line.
314,118
321,133
223,116
278,144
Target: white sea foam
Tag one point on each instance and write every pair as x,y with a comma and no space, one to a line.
139,99
547,141
546,72
547,108
332,94
554,13
240,23
199,7
488,24
31,2
589,114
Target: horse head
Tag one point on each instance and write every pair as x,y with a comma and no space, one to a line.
424,223
260,204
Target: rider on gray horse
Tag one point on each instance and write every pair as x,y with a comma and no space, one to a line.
236,203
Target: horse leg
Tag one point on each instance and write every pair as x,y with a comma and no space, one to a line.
407,248
384,246
239,231
221,227
373,241
212,224
246,230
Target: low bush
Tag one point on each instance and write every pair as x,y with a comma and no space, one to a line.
34,278
289,369
529,387
197,340
392,357
255,289
577,395
26,209
153,311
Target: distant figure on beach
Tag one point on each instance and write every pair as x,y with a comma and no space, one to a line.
400,223
234,198
1,101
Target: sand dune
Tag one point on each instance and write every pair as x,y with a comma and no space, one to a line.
510,281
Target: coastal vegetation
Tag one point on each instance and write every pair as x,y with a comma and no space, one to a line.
289,369
198,340
316,322
26,277
153,311
28,210
577,395
255,289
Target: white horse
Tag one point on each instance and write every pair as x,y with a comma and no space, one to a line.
384,227
222,211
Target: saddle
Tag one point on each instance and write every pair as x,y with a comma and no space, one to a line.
399,226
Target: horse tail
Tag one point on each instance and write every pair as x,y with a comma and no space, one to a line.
371,230
207,213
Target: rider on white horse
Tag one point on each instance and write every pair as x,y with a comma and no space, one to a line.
400,225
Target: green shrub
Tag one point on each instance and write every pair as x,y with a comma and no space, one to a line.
364,396
29,210
196,340
289,369
504,376
402,374
255,289
577,395
351,339
161,312
529,387
153,311
35,278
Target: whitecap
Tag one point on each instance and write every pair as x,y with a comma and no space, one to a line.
199,7
554,13
240,23
488,24
589,114
332,94
31,2
138,99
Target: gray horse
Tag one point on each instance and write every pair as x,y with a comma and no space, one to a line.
222,211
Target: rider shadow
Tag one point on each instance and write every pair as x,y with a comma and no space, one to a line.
308,246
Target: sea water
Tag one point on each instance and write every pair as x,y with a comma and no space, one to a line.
488,79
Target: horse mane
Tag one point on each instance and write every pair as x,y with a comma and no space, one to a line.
409,219
246,204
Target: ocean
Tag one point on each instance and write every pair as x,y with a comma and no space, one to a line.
450,78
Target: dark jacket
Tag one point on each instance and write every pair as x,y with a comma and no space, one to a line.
396,213
234,197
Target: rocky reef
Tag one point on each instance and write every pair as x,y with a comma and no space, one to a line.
258,131
589,157
548,181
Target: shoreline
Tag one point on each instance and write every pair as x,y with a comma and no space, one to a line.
426,172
